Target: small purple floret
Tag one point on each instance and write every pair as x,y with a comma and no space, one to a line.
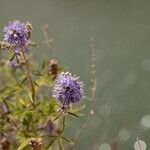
15,33
12,64
68,89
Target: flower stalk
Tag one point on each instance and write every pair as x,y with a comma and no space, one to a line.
29,75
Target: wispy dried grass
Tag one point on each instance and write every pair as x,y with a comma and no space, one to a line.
48,42
92,98
47,39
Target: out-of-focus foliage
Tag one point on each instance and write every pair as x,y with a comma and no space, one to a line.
27,109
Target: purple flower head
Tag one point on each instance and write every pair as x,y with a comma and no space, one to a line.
68,89
12,64
15,33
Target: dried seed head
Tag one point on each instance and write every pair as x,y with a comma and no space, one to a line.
35,143
29,30
3,62
5,45
5,144
53,67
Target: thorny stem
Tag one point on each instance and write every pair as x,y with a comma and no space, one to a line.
29,75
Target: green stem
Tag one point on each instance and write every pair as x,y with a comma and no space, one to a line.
29,75
50,143
63,124
60,145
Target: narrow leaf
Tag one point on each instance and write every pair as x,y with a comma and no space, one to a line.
24,144
50,143
30,96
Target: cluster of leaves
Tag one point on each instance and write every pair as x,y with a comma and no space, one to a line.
27,108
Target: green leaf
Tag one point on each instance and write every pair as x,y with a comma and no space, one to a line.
75,110
12,57
24,79
60,145
73,114
23,144
49,145
3,89
67,140
30,96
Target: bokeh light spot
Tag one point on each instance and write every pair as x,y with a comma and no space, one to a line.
104,146
146,64
145,121
124,134
140,145
105,111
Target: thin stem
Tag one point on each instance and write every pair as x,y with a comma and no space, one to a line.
51,143
93,93
29,74
63,124
60,145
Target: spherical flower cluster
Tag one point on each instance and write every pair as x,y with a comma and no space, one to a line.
16,34
68,89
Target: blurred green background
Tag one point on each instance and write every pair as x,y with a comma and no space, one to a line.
121,32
